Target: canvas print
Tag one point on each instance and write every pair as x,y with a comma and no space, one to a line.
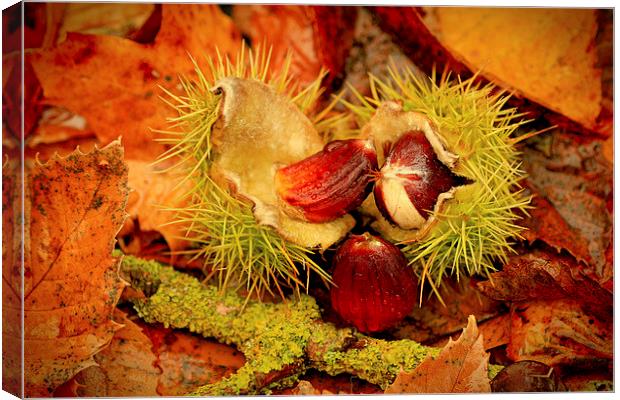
222,200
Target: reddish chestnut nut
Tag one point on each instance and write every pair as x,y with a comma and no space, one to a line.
328,184
374,287
411,180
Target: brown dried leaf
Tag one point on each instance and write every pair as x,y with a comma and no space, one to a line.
495,331
545,223
188,361
125,368
568,53
573,176
103,18
461,367
539,275
74,208
561,71
305,388
115,82
559,333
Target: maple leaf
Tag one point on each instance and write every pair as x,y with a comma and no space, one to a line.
74,208
559,333
125,368
115,82
460,367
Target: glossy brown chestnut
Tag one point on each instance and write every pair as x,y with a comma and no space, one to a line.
374,288
328,184
411,180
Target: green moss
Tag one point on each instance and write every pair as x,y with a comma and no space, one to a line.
378,361
288,336
494,370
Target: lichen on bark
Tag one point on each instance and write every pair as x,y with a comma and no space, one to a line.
279,340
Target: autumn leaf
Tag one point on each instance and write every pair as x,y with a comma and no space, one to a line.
561,79
545,223
573,176
40,31
154,191
561,71
308,32
559,333
188,361
103,18
539,275
125,368
460,367
74,207
305,388
115,82
11,277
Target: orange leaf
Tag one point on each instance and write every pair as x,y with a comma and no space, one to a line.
461,367
557,61
309,32
115,82
154,190
557,333
125,368
74,208
11,277
561,70
188,361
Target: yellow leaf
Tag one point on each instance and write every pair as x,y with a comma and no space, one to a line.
544,54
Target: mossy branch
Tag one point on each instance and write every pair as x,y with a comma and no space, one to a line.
279,340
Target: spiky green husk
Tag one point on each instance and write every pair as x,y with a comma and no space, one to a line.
235,249
476,229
